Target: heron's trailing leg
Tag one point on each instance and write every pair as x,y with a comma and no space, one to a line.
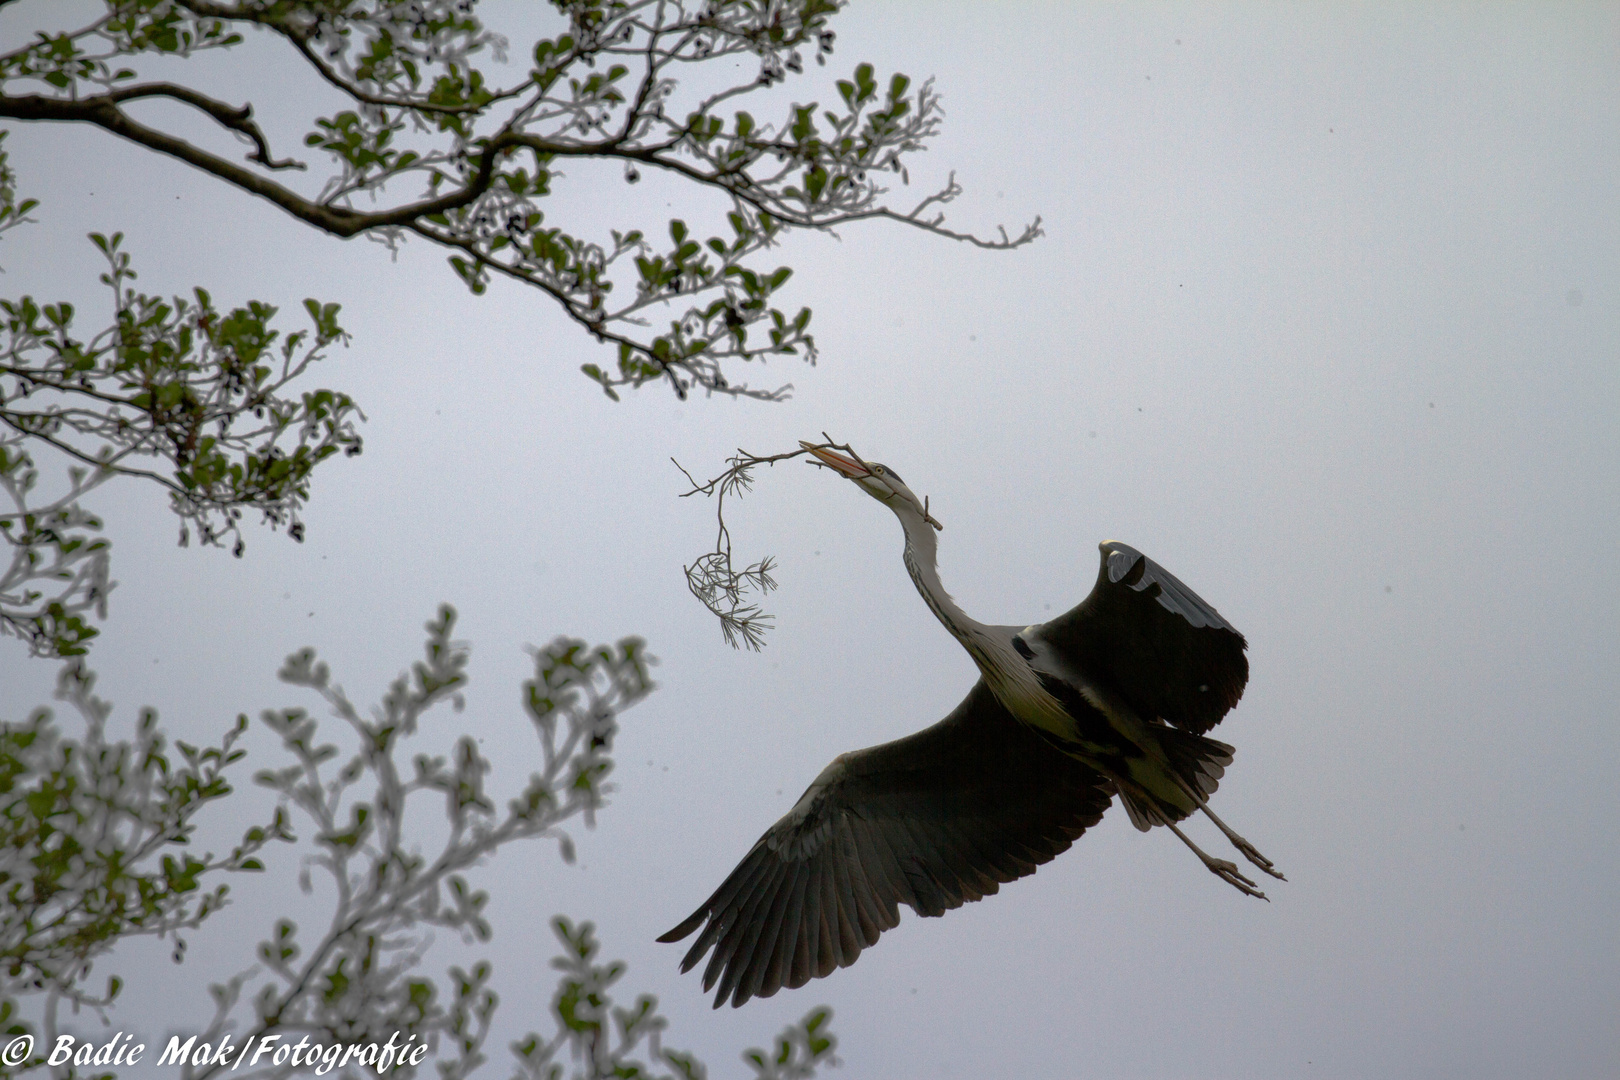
1226,871
1249,851
1241,844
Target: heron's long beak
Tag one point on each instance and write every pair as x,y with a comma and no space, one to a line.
854,470
845,466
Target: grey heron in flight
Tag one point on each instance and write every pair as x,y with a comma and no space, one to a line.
1111,698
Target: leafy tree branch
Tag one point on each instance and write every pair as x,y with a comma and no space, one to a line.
438,150
91,855
205,392
605,1042
93,835
360,981
53,544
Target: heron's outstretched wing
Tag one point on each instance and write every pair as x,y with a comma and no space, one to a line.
932,820
1154,641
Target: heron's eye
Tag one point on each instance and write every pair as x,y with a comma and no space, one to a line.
877,470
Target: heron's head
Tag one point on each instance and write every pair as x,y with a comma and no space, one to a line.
878,481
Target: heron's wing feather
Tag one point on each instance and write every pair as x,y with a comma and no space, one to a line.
1156,642
933,820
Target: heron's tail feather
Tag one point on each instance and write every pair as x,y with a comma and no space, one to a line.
1199,760
1196,765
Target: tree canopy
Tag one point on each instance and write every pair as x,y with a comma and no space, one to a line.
433,144
441,138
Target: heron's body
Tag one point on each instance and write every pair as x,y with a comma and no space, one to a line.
1110,698
1077,710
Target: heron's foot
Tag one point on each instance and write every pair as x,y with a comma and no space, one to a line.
1221,868
1250,852
1229,873
1254,856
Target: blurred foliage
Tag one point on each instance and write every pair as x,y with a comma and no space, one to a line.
430,144
604,1042
94,838
90,859
363,981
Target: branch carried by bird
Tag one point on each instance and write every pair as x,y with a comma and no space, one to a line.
729,593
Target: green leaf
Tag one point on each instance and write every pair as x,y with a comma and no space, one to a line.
866,85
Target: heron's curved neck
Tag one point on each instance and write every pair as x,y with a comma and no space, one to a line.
922,562
1007,674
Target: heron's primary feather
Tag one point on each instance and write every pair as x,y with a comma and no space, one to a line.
933,820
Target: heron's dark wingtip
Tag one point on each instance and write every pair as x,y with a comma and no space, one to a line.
685,929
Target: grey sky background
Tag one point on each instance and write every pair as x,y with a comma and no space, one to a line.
1326,320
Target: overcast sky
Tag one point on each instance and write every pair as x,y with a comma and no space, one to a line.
1326,320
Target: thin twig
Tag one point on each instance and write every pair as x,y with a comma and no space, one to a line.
713,577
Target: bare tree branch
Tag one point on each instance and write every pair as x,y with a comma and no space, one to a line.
729,593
